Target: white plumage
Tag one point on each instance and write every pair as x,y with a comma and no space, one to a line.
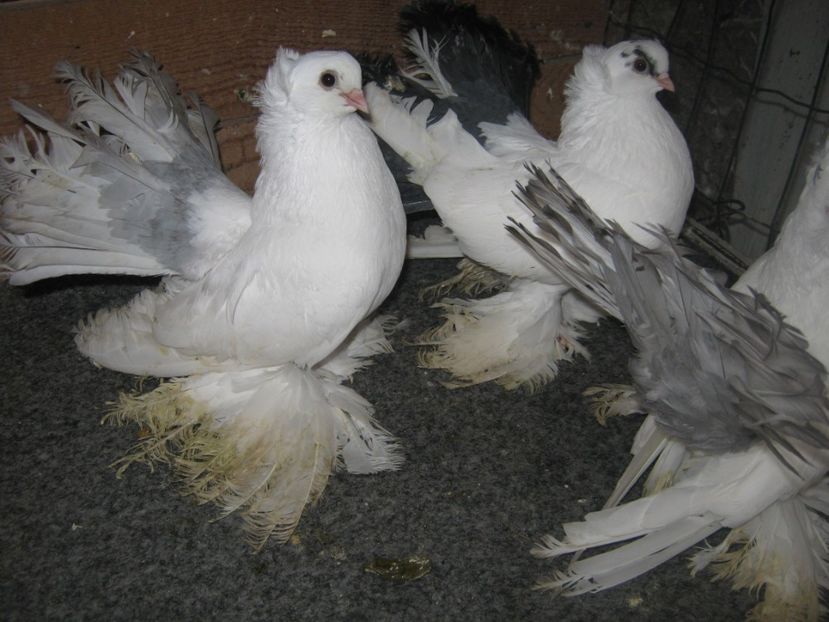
737,433
263,309
618,148
792,274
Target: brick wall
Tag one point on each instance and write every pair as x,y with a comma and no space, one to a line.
221,48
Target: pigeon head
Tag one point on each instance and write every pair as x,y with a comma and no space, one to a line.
634,67
318,83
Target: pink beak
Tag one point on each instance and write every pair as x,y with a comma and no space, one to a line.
665,82
356,99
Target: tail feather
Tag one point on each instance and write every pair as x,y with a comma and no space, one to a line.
570,243
648,450
465,70
50,224
626,562
773,542
38,261
427,64
132,185
666,467
47,124
203,122
516,138
142,108
486,70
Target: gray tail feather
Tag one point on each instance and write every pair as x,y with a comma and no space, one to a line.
459,61
106,192
142,108
490,69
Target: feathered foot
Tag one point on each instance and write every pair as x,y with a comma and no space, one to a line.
781,553
259,442
516,338
611,400
473,279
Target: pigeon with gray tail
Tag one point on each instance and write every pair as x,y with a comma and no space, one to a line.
266,302
737,432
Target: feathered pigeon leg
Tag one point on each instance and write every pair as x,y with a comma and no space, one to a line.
513,337
472,279
783,552
612,400
265,446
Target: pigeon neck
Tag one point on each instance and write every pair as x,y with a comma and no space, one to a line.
595,112
294,150
281,130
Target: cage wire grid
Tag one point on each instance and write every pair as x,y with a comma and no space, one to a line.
720,54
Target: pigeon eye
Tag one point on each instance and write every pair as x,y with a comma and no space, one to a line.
640,65
328,80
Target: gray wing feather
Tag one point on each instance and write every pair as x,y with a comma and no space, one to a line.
570,244
718,369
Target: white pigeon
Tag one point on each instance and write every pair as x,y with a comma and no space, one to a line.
793,272
737,433
265,304
618,148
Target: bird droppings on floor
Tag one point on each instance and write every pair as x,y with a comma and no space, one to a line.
406,569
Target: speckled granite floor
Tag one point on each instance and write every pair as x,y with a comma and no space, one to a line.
487,473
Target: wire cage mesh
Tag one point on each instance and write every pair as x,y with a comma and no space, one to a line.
753,102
